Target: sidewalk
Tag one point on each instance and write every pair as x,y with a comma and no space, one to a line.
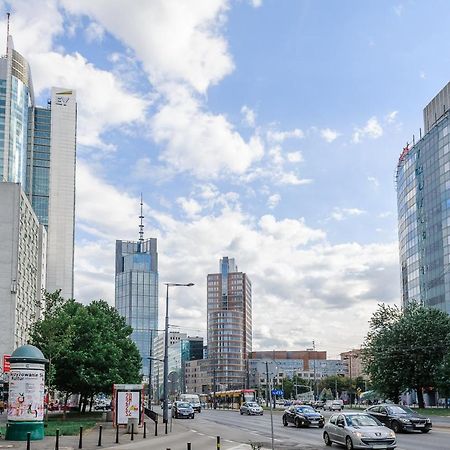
90,438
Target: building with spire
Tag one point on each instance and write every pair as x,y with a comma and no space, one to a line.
136,291
229,312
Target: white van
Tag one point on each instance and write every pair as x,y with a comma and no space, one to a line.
333,405
193,399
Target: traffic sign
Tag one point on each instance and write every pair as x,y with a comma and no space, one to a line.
6,363
279,392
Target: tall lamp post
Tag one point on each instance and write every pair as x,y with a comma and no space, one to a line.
166,354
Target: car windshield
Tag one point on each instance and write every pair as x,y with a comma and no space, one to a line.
184,405
252,404
304,409
394,409
362,420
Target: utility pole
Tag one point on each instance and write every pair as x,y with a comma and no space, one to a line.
270,402
315,381
214,389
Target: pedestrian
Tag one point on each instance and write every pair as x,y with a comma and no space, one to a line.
2,406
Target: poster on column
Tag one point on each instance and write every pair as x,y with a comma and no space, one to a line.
26,394
127,406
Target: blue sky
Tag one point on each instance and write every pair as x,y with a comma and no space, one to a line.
264,130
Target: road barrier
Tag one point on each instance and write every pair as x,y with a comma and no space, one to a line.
80,442
100,428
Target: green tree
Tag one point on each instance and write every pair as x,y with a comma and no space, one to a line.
405,348
88,346
443,379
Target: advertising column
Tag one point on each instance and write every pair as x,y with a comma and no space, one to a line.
26,394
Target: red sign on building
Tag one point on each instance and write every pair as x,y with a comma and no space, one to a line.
6,363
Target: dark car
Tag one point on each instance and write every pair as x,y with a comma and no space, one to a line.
182,409
400,418
302,416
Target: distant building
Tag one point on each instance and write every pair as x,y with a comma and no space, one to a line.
197,379
22,267
352,360
423,184
229,315
136,292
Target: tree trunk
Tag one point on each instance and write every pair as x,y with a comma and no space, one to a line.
420,397
91,401
66,399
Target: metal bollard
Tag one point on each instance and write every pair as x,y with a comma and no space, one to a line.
188,446
145,429
117,433
156,428
132,431
28,440
57,439
80,442
218,443
166,428
100,436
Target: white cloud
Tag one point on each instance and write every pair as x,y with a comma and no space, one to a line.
391,117
329,135
176,41
293,179
374,181
344,213
295,157
399,9
200,142
385,214
372,130
94,32
256,3
273,201
422,74
249,116
280,136
190,206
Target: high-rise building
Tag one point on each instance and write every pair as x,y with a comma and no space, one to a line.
423,199
37,149
16,97
50,182
229,311
136,292
22,266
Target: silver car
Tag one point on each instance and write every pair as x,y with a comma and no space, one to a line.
251,408
358,431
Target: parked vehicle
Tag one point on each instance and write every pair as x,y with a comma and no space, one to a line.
400,418
193,399
251,408
358,431
182,409
333,405
318,404
302,416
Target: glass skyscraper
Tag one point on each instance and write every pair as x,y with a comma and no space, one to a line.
423,197
229,312
136,292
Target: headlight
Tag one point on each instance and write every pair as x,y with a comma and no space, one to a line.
360,434
391,434
428,420
405,420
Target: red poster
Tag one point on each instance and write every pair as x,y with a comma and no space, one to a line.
6,363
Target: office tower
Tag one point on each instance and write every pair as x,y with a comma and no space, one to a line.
22,266
136,296
229,311
423,186
50,182
16,96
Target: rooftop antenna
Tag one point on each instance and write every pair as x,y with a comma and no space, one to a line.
141,226
7,30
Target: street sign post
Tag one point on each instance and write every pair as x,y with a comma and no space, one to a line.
278,392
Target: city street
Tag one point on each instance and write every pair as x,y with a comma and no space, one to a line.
230,425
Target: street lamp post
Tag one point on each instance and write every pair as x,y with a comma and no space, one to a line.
166,354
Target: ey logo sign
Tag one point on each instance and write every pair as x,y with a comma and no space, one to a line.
62,99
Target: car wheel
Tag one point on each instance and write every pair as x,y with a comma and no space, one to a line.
396,427
193,415
298,423
321,425
326,439
348,443
425,431
242,413
285,422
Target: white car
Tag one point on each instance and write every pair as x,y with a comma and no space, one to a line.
358,431
251,409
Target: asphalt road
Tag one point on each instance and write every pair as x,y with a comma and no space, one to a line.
233,427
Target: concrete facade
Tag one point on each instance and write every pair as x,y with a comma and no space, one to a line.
22,266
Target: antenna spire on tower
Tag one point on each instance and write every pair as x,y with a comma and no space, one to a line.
7,30
141,225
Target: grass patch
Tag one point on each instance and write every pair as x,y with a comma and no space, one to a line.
71,425
433,411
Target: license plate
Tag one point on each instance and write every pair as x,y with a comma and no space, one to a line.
420,425
379,447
